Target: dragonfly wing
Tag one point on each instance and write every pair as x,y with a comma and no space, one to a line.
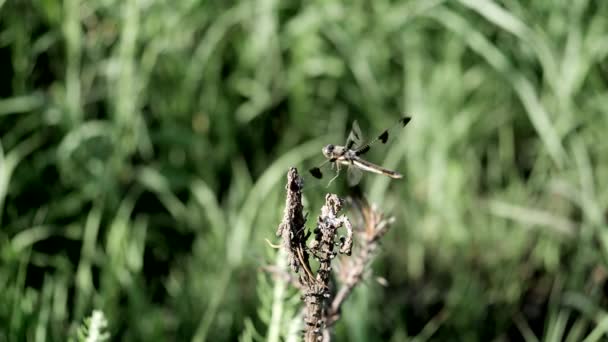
353,175
384,136
317,171
355,138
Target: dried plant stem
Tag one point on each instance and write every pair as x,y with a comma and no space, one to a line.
321,304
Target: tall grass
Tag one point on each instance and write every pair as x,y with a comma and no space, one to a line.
144,146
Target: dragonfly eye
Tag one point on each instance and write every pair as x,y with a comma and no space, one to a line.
327,150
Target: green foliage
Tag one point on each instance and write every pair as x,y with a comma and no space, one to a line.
278,306
144,147
93,328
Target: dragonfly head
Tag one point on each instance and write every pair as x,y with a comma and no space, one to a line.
328,151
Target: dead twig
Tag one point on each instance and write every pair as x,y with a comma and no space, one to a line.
292,227
322,304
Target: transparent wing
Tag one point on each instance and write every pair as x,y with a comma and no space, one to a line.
353,175
384,136
325,171
355,138
318,171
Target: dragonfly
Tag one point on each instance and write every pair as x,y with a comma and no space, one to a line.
350,153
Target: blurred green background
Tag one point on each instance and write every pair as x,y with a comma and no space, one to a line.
144,148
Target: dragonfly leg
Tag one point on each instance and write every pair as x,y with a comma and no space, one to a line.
336,176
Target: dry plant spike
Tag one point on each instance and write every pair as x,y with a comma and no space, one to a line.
321,306
292,227
346,242
317,294
352,272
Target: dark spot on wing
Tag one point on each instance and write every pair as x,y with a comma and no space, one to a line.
316,172
404,121
355,134
363,150
350,144
383,137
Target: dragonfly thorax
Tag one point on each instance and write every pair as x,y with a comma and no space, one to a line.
333,151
